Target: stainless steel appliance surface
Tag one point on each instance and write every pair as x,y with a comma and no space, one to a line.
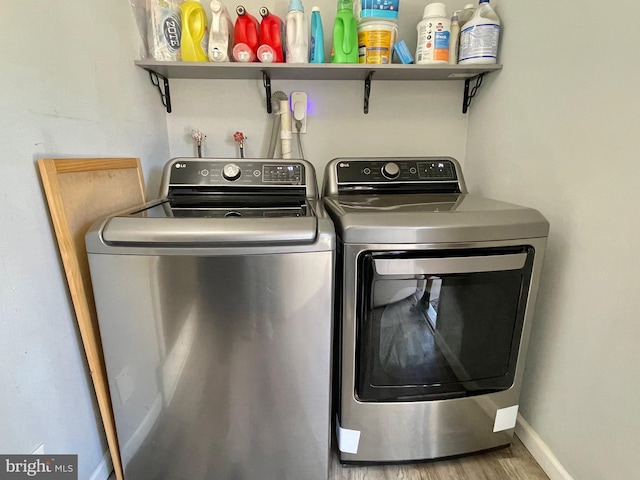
215,312
435,292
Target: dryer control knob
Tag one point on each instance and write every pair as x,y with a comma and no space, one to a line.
231,172
391,170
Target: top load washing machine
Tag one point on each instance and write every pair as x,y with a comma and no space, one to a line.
215,312
435,293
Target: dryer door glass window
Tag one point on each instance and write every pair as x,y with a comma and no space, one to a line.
440,324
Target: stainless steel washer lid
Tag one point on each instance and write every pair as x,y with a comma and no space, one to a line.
136,229
430,218
266,205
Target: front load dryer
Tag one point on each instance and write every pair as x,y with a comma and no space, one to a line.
435,291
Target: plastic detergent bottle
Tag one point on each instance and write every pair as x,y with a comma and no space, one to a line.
433,35
454,38
345,34
271,35
245,36
466,14
479,36
219,48
297,34
194,29
316,50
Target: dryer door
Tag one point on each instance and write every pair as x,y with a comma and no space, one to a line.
440,324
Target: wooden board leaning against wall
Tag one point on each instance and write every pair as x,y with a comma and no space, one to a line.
79,191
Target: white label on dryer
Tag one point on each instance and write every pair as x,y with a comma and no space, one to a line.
505,418
348,440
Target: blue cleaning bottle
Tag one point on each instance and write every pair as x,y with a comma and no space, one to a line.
316,51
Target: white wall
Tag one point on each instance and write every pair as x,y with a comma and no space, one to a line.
67,89
557,129
406,118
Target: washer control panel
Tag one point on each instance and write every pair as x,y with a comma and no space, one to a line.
375,171
282,173
244,172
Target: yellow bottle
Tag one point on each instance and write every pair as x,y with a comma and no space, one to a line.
194,29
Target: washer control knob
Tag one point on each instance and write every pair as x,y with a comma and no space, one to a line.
231,172
391,170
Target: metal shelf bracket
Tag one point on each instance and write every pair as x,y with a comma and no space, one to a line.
470,92
165,92
266,81
367,91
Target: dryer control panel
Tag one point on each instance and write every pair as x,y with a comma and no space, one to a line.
441,174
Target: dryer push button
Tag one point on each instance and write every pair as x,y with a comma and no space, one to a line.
391,170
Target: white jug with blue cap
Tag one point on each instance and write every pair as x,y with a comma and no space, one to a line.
297,50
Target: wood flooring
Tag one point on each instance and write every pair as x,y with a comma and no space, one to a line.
512,463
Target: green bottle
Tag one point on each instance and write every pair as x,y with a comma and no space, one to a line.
345,34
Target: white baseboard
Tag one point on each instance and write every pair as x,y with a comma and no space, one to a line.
104,468
540,451
135,441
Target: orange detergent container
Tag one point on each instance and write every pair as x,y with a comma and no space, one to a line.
245,35
271,35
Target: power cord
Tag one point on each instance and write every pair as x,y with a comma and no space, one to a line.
300,149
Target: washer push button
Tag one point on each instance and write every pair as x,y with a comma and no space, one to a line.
231,172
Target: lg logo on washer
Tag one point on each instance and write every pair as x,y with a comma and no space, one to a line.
181,165
343,165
